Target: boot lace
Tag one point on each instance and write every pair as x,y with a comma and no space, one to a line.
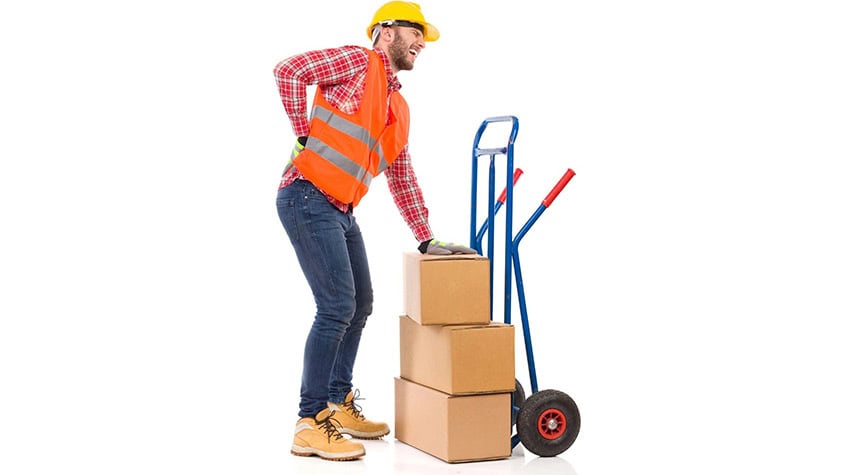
354,408
329,425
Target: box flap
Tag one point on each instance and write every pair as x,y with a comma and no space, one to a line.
448,257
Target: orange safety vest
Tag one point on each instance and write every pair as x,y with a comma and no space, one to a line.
345,152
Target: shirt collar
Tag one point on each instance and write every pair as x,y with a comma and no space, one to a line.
393,83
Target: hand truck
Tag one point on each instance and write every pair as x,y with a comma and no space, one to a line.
548,421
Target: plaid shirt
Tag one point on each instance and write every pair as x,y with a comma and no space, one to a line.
341,72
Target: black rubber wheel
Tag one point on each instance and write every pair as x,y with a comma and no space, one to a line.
517,400
548,423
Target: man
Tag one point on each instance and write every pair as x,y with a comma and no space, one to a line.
357,130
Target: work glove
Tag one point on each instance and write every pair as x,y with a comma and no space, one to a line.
442,248
298,147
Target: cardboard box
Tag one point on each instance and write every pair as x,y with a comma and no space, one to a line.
458,359
446,290
453,428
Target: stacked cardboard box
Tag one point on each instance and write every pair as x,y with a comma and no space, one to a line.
453,396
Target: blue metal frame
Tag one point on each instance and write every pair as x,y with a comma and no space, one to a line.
492,208
499,202
512,263
520,291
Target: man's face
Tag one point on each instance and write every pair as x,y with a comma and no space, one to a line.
406,45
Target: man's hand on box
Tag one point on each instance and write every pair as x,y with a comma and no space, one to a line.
443,248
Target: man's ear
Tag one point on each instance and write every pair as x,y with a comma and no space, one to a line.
387,33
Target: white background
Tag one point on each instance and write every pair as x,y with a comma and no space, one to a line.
686,289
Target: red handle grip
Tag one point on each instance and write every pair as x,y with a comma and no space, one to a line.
558,188
516,174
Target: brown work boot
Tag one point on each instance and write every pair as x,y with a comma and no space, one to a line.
319,436
354,423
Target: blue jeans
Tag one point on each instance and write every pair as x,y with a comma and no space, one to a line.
330,250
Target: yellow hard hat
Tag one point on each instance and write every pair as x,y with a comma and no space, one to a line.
403,14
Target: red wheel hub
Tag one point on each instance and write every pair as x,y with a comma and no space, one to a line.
551,424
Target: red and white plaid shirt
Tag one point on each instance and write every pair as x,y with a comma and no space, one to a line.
341,72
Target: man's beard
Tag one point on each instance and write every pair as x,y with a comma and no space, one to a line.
398,51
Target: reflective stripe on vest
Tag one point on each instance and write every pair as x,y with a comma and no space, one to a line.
341,161
355,132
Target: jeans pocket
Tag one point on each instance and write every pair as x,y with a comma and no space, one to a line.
286,207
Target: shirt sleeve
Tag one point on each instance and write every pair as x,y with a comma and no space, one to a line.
402,182
324,67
